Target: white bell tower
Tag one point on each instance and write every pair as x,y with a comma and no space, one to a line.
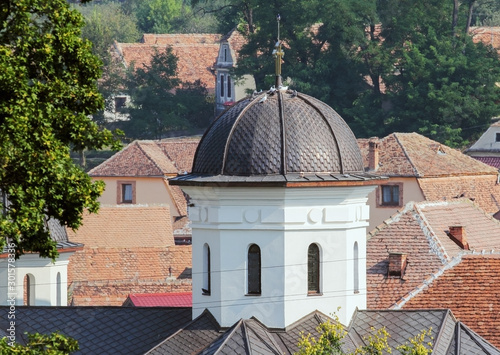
278,209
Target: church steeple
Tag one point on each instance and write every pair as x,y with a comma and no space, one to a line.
278,210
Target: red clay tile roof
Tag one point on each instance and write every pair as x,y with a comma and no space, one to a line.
411,154
487,35
470,289
420,232
196,52
125,226
484,190
182,299
491,161
180,151
150,158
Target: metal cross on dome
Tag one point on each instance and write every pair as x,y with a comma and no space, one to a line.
278,54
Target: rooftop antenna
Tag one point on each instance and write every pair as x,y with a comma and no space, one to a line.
278,54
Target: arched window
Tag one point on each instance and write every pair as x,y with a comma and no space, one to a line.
29,290
58,290
222,83
355,260
206,288
313,269
254,266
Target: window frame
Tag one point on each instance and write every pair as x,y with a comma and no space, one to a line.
119,192
254,271
380,195
314,270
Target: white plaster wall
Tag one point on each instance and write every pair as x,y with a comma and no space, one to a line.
487,141
149,191
283,222
411,192
45,275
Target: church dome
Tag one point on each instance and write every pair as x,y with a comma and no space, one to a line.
279,135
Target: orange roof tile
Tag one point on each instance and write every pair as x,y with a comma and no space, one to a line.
420,232
126,226
150,158
411,154
487,35
484,190
470,289
196,52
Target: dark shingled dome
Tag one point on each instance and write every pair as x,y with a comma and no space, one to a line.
277,136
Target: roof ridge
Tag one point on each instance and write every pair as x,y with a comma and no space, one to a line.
417,173
434,276
149,157
394,218
112,158
226,336
434,242
270,338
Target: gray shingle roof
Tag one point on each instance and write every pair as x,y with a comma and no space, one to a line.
447,332
102,330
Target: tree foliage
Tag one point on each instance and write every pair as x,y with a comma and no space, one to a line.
41,344
385,66
161,102
331,335
47,92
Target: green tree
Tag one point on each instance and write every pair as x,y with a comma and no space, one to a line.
158,16
436,80
331,335
105,23
160,102
40,344
48,91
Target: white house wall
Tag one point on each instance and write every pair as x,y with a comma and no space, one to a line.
283,222
44,272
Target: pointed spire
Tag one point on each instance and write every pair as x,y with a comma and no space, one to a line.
278,54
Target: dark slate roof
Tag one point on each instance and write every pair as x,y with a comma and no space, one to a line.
277,136
101,330
446,331
191,339
247,336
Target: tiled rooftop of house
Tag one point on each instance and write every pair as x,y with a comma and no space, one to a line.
181,299
488,35
491,161
470,289
425,233
421,231
126,226
196,53
413,155
101,330
128,249
150,158
248,336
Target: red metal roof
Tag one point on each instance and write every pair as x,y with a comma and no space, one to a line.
181,299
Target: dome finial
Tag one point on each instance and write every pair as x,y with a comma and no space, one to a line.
278,54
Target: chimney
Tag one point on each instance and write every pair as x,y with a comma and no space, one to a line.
372,155
458,235
397,265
